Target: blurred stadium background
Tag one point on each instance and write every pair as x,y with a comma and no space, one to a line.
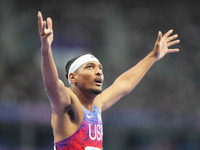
162,113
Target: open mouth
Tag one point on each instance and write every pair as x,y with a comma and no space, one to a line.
98,81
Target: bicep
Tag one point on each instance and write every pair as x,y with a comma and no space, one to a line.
59,97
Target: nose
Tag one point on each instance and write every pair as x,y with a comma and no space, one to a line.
99,72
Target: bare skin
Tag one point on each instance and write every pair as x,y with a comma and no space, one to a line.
83,82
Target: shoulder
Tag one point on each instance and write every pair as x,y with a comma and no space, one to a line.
65,100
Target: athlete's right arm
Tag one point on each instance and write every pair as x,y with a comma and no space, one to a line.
56,91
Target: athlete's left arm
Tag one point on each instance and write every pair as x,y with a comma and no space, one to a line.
126,82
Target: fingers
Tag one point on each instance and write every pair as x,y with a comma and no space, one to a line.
49,23
173,50
40,14
170,41
40,21
159,36
43,30
158,40
173,43
166,35
171,38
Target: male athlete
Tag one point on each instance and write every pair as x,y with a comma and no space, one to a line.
76,111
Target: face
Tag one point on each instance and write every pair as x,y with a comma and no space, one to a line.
90,77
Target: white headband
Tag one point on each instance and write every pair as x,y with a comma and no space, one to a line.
79,62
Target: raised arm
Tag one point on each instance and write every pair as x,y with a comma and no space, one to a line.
54,87
126,82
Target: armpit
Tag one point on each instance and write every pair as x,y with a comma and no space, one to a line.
69,111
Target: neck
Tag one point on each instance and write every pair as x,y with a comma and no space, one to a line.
85,97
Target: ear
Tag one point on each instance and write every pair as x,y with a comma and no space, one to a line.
72,77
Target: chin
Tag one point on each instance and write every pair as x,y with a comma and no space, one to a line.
96,91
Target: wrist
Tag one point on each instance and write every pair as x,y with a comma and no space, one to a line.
153,55
45,51
45,48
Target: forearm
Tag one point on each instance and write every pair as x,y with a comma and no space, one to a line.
133,76
126,82
49,71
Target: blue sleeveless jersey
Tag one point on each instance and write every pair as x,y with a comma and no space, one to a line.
88,137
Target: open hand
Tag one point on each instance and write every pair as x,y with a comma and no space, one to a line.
163,43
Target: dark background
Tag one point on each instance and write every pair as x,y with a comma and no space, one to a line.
162,113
